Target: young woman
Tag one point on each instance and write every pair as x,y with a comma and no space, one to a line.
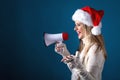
88,62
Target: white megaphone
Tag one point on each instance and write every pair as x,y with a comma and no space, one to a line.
53,38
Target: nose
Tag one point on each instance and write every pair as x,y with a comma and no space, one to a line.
75,28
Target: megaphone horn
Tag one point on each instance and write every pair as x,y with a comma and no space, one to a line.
52,38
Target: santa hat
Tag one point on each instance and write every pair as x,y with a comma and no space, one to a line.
90,17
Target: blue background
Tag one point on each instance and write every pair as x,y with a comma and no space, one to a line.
23,55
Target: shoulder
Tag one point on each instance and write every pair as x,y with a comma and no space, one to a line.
93,48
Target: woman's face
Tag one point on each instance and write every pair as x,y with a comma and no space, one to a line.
79,28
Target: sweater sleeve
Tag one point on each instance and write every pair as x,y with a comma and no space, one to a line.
93,67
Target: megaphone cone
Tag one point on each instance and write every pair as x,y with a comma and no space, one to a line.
53,38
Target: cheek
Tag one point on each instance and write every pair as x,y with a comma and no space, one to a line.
80,29
81,33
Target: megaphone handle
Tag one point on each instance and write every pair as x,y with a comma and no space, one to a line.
60,42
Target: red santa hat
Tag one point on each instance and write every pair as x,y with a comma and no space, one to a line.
90,17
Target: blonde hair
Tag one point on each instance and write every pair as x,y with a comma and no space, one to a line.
94,40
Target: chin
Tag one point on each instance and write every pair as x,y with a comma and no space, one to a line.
79,37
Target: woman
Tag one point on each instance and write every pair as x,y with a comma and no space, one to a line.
88,62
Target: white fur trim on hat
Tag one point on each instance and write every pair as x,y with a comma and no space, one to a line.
83,17
96,30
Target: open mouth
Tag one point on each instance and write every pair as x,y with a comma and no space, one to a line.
78,32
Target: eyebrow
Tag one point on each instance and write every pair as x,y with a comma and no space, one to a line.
78,23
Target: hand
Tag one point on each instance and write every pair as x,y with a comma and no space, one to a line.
61,49
68,59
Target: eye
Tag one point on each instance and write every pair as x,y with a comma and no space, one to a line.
78,24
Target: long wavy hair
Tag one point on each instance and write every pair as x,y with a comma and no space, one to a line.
95,39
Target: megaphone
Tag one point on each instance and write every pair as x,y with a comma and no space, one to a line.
53,38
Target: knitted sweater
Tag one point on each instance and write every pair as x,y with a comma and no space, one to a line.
88,68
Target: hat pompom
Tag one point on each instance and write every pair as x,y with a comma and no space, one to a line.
96,30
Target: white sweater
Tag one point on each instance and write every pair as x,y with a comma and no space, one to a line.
92,69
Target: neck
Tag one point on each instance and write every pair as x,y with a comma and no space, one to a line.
86,40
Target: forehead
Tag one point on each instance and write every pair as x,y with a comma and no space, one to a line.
77,22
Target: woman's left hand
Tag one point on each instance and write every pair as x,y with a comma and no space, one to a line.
73,60
67,59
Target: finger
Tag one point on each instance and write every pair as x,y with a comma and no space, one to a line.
58,49
69,57
64,59
58,44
